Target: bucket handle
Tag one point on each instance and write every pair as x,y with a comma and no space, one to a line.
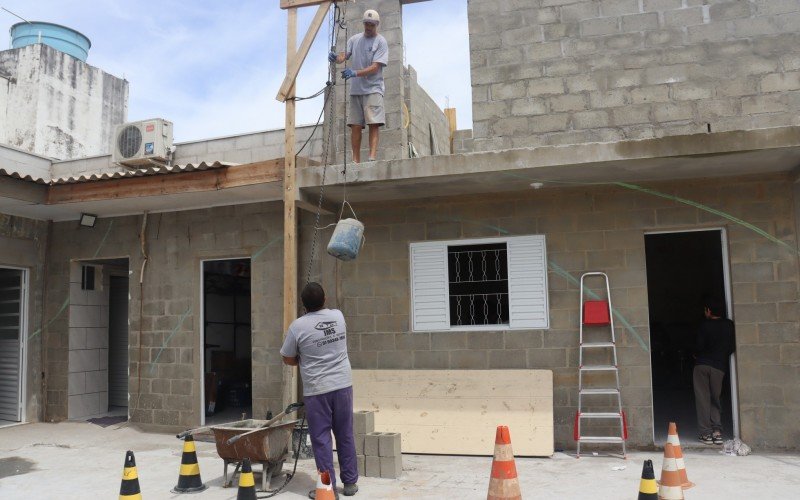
341,212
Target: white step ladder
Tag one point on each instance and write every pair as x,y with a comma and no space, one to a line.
597,314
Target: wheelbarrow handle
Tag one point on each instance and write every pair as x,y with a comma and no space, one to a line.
191,432
289,409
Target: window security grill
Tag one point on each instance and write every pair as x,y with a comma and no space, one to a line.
478,284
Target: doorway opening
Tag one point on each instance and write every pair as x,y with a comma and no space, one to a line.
98,341
683,270
227,340
13,315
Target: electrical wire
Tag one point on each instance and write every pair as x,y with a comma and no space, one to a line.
289,477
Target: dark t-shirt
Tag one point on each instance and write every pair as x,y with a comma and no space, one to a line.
716,341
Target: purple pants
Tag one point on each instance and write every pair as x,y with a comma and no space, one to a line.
333,411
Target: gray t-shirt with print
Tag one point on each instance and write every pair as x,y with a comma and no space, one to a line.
320,339
365,51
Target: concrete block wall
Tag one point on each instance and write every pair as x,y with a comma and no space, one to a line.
591,228
245,148
23,243
169,394
88,344
57,106
424,114
574,71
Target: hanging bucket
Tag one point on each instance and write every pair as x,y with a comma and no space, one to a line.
347,239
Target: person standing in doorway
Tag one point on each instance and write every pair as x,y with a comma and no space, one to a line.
714,344
370,54
317,343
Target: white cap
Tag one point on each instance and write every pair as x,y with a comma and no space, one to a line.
372,16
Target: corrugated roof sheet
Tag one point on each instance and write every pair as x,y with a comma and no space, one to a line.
141,172
17,175
133,172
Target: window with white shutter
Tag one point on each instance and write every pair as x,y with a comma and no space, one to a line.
480,284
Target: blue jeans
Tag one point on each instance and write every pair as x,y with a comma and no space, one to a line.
333,411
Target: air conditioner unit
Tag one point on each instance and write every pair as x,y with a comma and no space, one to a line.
142,143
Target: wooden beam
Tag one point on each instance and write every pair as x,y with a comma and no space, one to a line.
295,62
160,185
289,392
292,4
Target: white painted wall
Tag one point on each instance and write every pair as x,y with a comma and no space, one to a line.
22,162
58,106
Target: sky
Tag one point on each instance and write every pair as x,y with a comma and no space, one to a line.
214,68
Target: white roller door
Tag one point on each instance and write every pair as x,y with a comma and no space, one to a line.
12,308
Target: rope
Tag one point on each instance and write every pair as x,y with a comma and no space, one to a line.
335,23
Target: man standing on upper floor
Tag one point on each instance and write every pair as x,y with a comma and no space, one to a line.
369,53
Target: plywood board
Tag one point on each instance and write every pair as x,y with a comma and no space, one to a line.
456,412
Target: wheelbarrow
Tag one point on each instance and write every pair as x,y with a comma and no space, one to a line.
265,445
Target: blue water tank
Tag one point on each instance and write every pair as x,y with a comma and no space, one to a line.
67,40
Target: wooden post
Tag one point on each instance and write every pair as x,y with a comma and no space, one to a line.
290,215
450,114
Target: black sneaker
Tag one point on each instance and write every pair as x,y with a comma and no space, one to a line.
717,438
350,489
706,439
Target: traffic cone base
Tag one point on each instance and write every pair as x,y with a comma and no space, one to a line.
672,438
189,476
648,489
129,489
324,488
503,483
247,483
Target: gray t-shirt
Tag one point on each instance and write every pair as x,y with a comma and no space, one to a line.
365,51
320,339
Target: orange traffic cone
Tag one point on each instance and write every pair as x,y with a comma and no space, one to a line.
324,489
672,438
670,485
503,484
247,484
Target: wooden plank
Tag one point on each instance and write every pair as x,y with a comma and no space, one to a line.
458,411
166,184
295,62
289,393
291,4
450,114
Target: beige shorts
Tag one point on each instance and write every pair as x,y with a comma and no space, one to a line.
366,110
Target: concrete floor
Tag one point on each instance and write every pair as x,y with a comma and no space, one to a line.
77,460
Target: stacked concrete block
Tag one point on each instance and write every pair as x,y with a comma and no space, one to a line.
378,453
391,459
363,424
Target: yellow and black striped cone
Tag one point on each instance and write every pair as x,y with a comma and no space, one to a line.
648,489
189,479
129,489
247,484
